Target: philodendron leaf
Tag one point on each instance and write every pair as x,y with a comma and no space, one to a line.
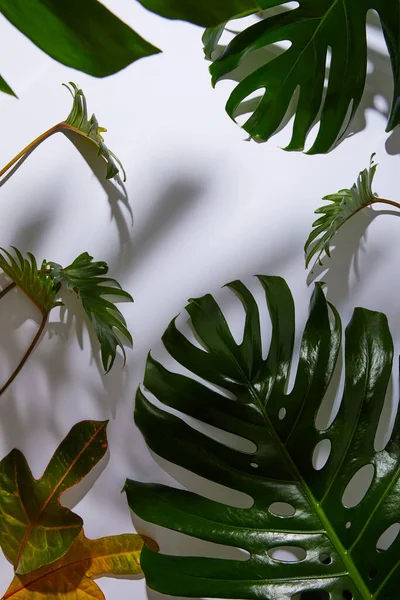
87,279
78,122
297,503
35,282
82,34
313,29
71,577
208,13
35,529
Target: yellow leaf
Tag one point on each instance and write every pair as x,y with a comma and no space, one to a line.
71,577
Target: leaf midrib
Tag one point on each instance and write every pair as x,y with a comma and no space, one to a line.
298,478
51,496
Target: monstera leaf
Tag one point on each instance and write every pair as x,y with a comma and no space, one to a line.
297,505
35,529
344,205
78,122
71,577
312,29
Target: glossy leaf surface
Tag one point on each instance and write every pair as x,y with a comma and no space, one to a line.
87,279
345,204
82,34
312,28
338,543
79,121
35,529
208,13
33,281
71,577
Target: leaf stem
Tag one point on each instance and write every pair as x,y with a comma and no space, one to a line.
7,289
384,201
31,146
26,355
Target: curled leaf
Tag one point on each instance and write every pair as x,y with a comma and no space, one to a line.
87,279
344,205
71,577
35,529
79,122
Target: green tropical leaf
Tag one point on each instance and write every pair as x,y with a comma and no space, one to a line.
87,279
312,29
344,205
35,529
338,540
79,122
208,13
82,34
210,38
4,87
34,282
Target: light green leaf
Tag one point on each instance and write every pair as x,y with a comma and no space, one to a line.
208,13
87,279
344,205
82,34
36,283
337,539
79,122
312,29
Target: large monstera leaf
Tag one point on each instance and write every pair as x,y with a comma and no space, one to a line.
338,540
312,29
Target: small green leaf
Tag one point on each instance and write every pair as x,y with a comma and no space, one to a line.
35,529
82,34
313,29
78,121
335,540
207,13
4,87
344,205
87,279
36,283
210,38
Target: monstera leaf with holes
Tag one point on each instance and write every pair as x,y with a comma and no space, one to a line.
337,540
312,29
344,205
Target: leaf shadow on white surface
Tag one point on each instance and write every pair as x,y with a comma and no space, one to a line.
115,189
377,95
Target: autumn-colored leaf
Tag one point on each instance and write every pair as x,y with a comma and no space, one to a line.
35,529
71,577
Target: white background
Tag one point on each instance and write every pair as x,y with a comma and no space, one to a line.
208,207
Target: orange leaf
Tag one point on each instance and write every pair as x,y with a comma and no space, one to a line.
71,577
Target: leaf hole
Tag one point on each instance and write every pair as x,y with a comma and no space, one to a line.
287,554
358,486
282,509
348,524
282,414
321,454
388,537
325,559
347,595
254,465
373,572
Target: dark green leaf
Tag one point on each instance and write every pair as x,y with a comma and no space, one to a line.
4,87
36,283
208,13
312,28
35,529
82,34
211,38
79,122
338,542
345,204
87,279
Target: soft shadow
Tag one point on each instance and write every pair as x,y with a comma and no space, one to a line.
71,497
